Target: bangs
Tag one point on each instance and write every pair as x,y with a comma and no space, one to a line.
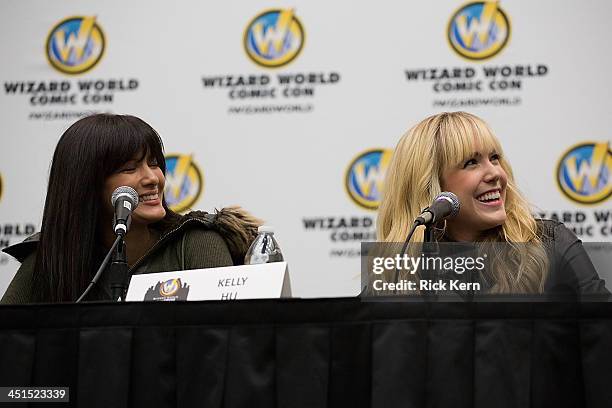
460,136
129,138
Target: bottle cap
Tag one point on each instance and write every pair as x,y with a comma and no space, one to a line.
265,228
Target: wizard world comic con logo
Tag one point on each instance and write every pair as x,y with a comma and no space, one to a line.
184,182
169,290
274,38
583,173
75,45
365,176
478,30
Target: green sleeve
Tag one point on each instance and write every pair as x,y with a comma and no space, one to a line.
20,288
205,249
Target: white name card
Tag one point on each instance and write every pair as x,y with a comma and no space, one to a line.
263,281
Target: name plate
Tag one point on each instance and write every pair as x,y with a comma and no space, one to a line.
263,281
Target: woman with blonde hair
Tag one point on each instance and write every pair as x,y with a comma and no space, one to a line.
458,152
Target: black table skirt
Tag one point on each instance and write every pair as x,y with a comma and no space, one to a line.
313,353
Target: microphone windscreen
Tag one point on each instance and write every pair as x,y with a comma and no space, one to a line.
454,200
125,191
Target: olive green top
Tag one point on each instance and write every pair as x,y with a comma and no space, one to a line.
191,245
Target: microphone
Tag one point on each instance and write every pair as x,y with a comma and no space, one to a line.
445,205
125,200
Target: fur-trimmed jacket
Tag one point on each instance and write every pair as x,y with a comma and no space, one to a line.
196,240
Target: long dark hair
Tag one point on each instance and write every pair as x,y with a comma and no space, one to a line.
88,152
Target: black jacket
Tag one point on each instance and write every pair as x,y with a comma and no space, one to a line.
571,269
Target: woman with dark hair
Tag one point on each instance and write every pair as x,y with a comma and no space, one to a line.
93,157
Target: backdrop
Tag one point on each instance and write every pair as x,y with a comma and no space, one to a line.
290,108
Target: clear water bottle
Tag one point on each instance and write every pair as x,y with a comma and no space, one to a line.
264,249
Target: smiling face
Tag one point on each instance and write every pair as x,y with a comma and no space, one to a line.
480,184
469,162
145,176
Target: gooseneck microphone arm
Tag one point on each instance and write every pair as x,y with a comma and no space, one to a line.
96,277
125,200
404,247
445,205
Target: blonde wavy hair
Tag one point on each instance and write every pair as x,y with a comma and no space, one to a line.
413,180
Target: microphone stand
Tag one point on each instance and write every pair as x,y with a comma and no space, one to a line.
404,247
429,237
119,267
119,271
430,248
429,234
100,269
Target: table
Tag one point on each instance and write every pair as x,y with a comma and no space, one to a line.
313,353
